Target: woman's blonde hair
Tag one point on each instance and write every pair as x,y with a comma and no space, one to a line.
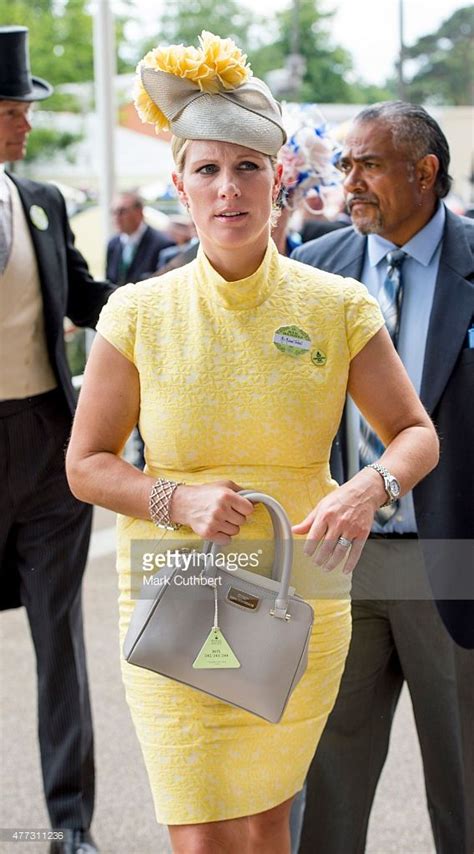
178,150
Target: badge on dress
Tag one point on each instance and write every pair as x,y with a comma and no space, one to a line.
39,217
318,358
292,340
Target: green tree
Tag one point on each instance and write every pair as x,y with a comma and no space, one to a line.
269,41
327,66
43,143
182,21
60,38
443,62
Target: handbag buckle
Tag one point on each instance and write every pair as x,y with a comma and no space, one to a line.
282,615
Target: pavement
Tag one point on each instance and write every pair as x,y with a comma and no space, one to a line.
124,821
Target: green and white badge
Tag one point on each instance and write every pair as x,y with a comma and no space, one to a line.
292,340
215,651
39,217
319,358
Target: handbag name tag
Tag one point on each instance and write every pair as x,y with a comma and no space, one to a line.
215,653
240,597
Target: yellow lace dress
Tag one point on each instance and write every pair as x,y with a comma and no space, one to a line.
220,400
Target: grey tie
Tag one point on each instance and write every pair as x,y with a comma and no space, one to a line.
391,293
390,301
4,246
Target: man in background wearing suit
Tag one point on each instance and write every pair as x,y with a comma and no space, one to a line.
44,530
417,258
132,254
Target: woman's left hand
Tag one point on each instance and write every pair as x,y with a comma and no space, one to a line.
347,514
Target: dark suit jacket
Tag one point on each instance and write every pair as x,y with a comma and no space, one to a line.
145,260
68,288
177,256
313,229
444,502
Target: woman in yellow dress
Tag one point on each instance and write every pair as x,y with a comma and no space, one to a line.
198,357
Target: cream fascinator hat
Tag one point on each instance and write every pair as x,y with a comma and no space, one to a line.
208,92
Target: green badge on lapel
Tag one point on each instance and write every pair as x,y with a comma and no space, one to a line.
292,340
318,358
39,217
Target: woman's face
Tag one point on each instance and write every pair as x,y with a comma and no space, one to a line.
229,190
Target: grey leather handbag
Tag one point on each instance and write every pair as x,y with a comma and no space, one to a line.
236,635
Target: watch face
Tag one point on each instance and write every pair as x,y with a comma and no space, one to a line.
394,487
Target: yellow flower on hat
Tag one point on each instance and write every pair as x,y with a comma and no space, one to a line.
146,108
226,60
185,62
215,65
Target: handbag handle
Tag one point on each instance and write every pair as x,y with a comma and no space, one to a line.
283,559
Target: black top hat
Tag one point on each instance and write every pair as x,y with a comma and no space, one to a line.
16,82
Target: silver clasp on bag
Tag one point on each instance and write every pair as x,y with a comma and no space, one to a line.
281,613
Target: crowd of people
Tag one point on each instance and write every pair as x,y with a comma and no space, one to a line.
319,368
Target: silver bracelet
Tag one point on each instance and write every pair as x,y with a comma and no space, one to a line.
159,503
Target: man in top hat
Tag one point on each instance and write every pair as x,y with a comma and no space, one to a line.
44,530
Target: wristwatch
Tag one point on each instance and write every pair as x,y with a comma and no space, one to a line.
391,484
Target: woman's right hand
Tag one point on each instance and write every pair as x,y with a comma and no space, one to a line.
214,511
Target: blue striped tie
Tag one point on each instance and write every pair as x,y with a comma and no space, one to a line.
390,301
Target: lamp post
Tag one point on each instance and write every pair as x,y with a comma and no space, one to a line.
295,62
401,53
286,82
104,78
104,74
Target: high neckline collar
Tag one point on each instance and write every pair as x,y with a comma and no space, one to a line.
243,293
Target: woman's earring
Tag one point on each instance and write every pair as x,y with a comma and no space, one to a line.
276,212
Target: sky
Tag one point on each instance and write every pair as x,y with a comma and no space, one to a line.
367,28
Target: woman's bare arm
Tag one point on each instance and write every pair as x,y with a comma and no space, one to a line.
106,414
108,410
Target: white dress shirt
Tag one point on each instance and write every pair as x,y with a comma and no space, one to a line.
5,219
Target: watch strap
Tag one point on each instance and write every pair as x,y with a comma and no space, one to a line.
387,477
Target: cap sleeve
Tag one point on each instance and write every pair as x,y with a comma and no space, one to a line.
118,321
363,316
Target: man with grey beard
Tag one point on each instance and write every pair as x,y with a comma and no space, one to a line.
416,257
